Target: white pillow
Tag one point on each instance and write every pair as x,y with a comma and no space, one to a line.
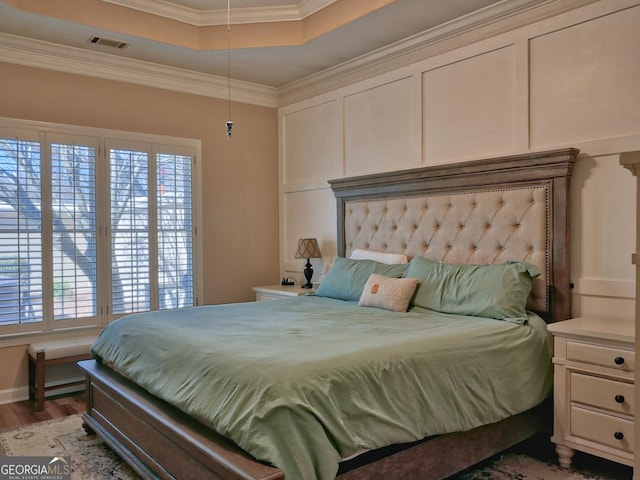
382,257
389,293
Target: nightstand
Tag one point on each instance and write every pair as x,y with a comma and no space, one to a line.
278,292
594,362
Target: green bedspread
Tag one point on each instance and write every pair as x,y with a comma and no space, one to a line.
304,382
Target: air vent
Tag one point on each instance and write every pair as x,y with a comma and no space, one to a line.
107,42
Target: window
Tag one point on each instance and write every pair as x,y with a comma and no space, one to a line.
73,224
175,224
149,248
130,230
21,289
87,236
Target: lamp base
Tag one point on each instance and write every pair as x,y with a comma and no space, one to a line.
308,273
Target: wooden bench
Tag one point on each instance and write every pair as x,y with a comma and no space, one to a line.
54,352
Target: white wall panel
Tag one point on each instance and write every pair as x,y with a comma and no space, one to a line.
584,81
310,213
604,307
311,148
572,80
382,128
469,107
603,219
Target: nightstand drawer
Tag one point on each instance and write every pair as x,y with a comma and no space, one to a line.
617,358
261,297
280,292
602,393
602,429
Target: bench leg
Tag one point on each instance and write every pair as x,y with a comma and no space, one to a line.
37,370
40,367
32,378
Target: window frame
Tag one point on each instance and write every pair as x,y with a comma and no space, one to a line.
49,133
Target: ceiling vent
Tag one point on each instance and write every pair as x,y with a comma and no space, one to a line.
107,42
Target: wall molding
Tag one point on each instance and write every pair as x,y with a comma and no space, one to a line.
481,25
605,287
280,13
485,23
50,56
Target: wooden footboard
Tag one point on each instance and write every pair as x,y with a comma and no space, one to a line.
160,442
157,440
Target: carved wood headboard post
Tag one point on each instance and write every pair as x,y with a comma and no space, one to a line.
552,169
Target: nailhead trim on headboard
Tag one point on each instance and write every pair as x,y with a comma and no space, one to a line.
486,211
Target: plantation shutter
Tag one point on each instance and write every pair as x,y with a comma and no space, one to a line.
93,227
130,231
73,199
21,299
175,223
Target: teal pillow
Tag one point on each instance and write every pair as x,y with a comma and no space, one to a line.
497,291
347,277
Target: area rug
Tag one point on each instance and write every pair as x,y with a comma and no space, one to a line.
514,466
92,459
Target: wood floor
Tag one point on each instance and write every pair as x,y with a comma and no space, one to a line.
16,414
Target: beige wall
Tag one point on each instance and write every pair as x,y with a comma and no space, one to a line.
568,81
239,176
13,374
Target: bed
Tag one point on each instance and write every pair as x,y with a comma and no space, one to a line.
503,213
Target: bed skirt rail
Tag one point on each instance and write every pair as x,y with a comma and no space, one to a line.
439,457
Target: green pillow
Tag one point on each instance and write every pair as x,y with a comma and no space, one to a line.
347,277
497,291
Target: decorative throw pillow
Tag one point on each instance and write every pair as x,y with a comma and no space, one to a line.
389,293
382,257
497,291
346,278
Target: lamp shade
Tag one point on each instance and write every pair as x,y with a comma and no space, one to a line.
308,248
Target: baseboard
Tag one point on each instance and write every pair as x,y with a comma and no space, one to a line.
19,394
12,395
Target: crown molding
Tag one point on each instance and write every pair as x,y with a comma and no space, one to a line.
50,56
241,15
485,23
502,17
309,7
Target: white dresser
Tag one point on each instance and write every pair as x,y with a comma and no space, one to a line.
594,361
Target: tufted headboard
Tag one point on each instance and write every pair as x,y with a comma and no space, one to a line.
480,212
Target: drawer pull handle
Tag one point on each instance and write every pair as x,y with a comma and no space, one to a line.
619,360
619,398
618,435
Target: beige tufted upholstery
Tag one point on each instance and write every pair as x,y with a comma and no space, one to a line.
67,347
481,227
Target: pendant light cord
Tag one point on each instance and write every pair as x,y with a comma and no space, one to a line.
229,122
229,56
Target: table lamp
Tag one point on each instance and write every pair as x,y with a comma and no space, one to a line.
308,248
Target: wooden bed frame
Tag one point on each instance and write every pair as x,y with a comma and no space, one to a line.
159,441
